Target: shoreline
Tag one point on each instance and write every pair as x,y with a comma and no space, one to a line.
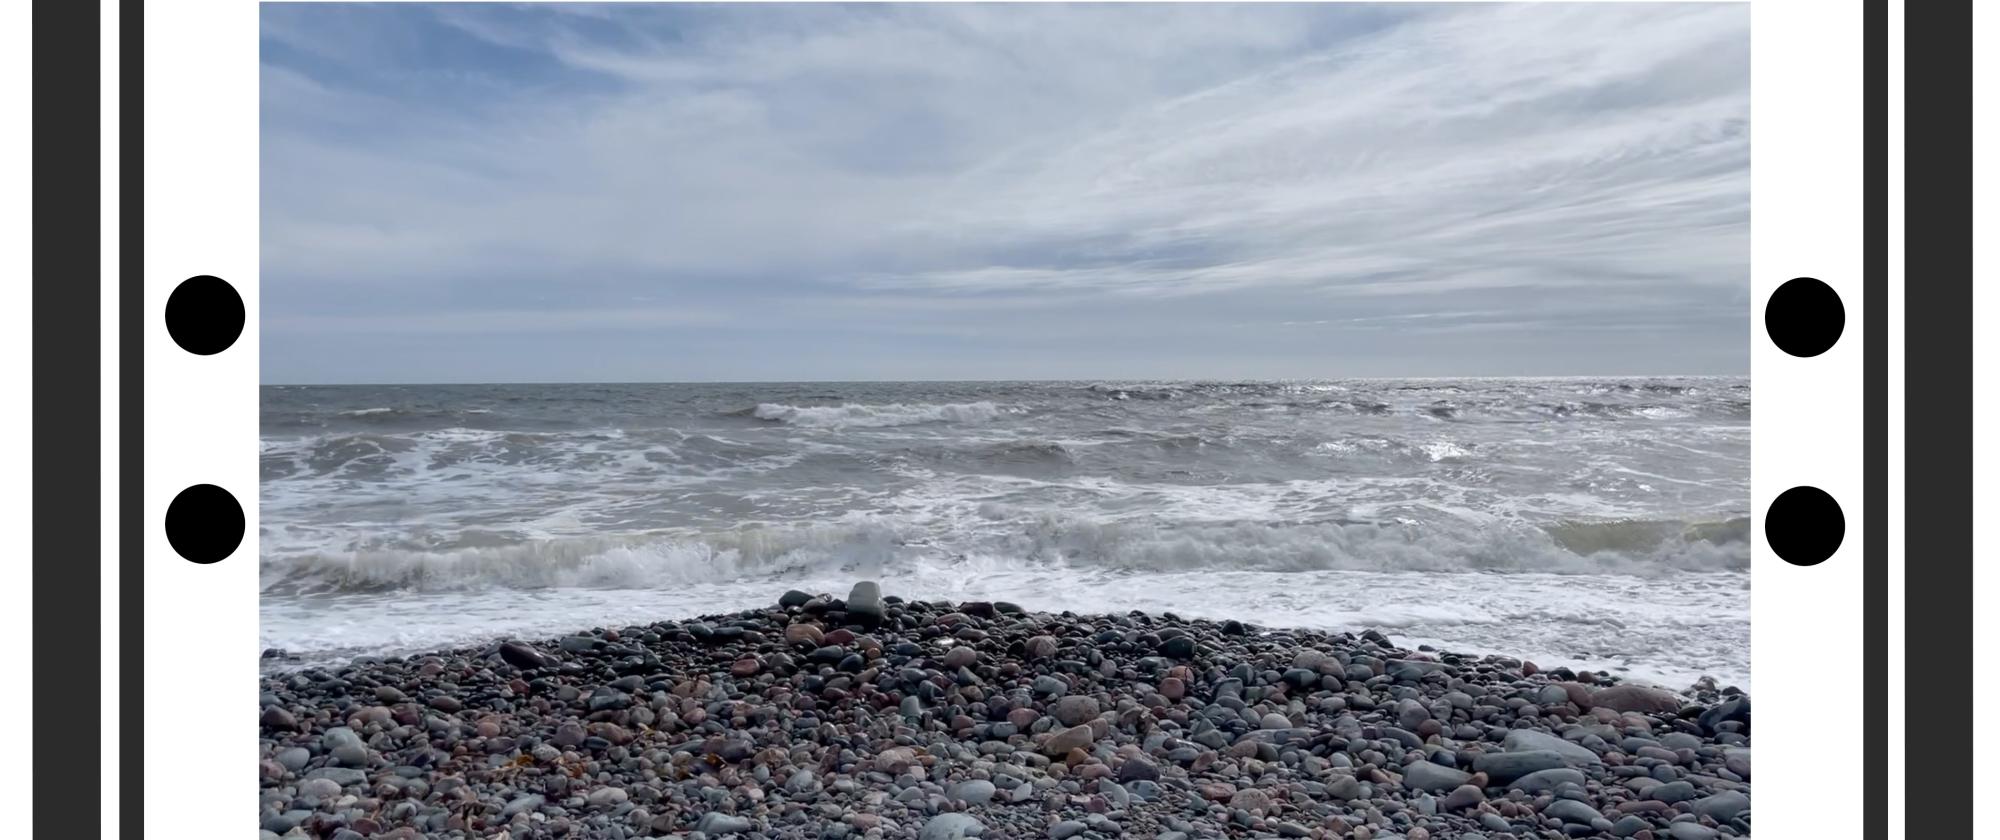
1668,630
869,716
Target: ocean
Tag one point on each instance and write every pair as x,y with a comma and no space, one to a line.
1598,523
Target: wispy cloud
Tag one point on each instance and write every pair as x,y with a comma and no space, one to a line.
1201,175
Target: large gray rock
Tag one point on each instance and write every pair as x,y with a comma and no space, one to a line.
865,601
1074,710
1572,811
1733,709
1545,781
1138,768
1527,740
1067,829
1721,807
1671,792
802,783
343,776
522,805
337,737
1690,831
1411,670
525,657
277,718
1425,775
716,823
1629,825
1636,698
1737,759
951,827
1508,766
1411,713
971,792
1463,796
1062,742
294,759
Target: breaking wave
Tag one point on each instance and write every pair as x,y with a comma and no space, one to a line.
891,546
878,416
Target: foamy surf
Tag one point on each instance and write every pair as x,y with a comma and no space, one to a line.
1534,517
876,416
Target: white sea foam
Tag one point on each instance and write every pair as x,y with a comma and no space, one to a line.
996,539
1439,450
878,416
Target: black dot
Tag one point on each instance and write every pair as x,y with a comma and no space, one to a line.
204,523
1804,526
1804,317
204,315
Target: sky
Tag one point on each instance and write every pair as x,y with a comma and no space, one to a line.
637,193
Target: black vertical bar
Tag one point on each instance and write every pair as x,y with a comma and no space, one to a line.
1937,510
1875,382
67,509
132,417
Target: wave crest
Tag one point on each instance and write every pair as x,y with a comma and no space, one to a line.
1005,539
878,416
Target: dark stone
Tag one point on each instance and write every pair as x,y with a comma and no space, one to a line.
1506,767
1736,709
524,657
865,602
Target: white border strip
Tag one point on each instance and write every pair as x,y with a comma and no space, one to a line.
1806,220
201,418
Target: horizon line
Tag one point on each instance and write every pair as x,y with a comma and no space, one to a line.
1011,381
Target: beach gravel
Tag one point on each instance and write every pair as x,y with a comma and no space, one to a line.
876,717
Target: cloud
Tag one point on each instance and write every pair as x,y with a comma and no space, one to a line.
1157,165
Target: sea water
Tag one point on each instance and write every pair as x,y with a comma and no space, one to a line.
1591,522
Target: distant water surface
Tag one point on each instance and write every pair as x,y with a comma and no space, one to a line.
1601,522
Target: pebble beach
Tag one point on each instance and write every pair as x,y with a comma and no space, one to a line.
863,715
